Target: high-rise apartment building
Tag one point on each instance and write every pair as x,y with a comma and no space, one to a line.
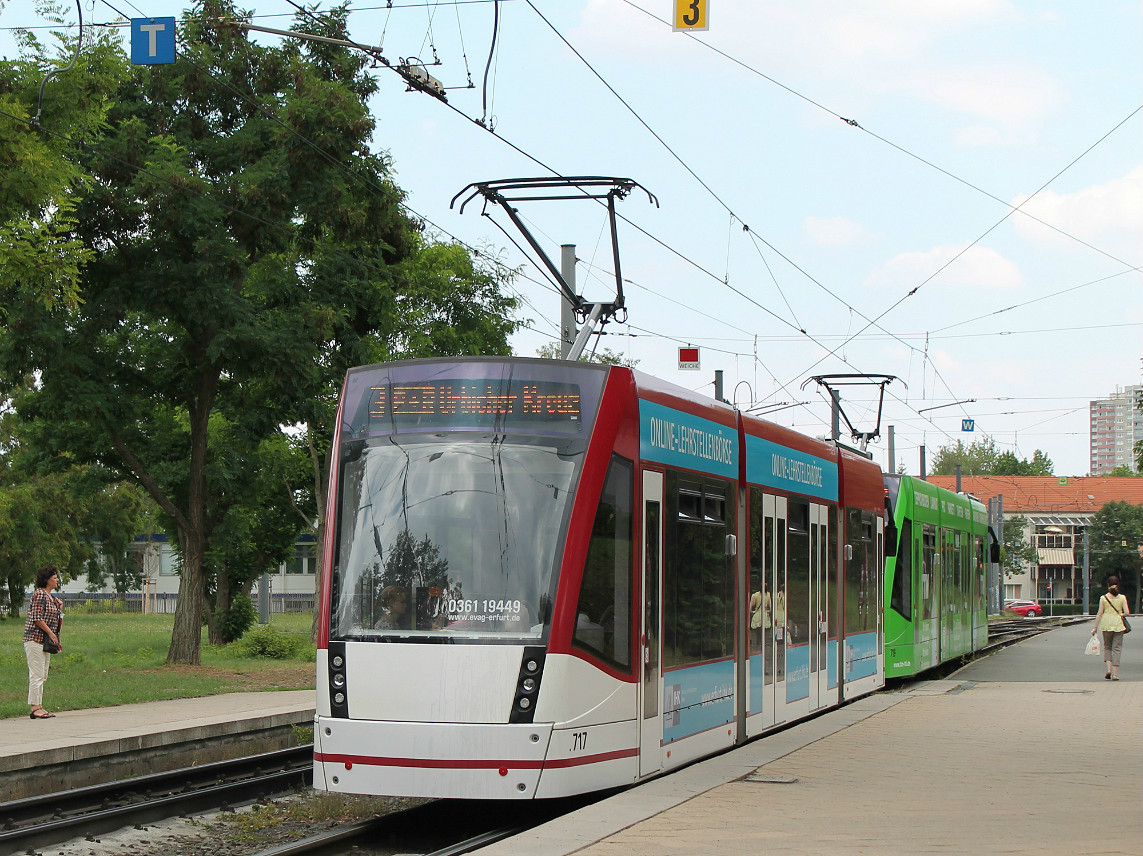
1116,426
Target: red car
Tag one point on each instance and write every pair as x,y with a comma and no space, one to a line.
1025,608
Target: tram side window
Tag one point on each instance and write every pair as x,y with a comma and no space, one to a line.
698,589
831,585
979,586
799,618
901,598
928,568
861,576
603,613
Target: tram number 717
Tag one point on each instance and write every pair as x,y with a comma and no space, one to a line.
579,741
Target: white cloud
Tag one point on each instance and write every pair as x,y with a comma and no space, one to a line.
1109,215
835,231
854,51
979,136
830,33
977,268
1006,93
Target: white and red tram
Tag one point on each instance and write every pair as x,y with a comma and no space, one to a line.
547,578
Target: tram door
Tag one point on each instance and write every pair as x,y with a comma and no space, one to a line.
947,597
819,600
650,717
774,697
764,624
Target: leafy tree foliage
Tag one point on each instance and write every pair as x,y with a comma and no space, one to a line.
40,253
1124,473
1016,550
982,458
607,357
243,245
257,527
1115,537
55,511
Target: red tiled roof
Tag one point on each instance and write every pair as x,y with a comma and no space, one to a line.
1085,494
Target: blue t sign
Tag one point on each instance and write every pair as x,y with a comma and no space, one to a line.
967,424
152,41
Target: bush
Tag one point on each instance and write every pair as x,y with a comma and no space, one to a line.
275,645
238,619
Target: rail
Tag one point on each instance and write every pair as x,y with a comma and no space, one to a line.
48,819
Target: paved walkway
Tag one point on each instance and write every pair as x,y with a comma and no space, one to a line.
968,765
91,746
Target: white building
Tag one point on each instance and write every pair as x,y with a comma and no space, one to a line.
1116,428
291,585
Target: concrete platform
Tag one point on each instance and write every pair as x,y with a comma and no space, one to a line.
1028,751
86,747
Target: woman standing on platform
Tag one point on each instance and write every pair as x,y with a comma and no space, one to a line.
1109,622
45,617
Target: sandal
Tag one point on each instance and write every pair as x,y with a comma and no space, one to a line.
40,713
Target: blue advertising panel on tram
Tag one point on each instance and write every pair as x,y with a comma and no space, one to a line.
684,440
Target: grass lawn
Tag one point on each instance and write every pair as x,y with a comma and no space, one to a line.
111,659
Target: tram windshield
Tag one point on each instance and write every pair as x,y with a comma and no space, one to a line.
453,535
455,487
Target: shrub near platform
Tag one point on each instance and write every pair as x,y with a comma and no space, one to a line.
111,659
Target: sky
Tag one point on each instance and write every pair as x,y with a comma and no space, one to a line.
947,192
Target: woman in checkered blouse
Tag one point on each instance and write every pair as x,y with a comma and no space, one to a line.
45,617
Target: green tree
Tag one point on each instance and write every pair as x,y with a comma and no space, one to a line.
1115,538
40,254
982,458
1016,551
117,513
1124,472
607,357
976,459
256,530
245,244
1040,465
56,511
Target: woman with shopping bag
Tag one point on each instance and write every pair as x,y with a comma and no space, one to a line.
1111,623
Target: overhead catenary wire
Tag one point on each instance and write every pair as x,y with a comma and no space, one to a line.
987,231
855,124
720,279
746,228
834,352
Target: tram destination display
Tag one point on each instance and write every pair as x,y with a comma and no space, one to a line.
478,403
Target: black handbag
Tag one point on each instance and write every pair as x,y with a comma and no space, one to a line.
51,647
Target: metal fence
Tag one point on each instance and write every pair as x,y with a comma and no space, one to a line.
165,604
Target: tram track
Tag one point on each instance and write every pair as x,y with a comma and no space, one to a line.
37,822
443,827
1010,631
48,819
363,837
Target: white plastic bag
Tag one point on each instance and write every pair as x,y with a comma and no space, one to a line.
1093,648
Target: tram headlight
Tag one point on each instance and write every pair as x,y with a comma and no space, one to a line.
338,661
527,685
339,698
338,680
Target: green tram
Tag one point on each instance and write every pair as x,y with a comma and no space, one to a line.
935,588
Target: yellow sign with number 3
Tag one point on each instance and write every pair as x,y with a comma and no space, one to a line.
691,14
